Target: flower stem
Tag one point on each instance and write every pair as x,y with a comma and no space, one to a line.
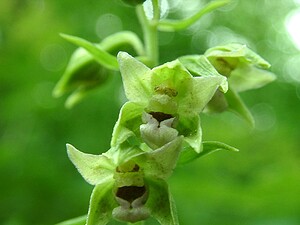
149,27
137,223
175,25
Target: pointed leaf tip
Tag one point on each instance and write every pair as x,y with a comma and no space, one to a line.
136,78
95,169
209,147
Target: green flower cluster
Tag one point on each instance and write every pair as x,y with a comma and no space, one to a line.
157,128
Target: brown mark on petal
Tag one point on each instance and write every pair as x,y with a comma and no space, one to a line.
165,91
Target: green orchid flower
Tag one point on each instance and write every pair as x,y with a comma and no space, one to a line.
167,94
245,70
92,64
130,184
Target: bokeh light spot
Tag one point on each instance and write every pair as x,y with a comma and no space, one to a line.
264,116
291,69
292,25
165,38
223,35
53,57
42,95
103,29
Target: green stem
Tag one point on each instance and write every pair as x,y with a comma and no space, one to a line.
75,221
137,223
150,31
175,25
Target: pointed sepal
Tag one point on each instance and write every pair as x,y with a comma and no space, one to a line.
161,203
247,77
159,164
128,123
190,128
136,78
237,105
102,203
199,65
95,169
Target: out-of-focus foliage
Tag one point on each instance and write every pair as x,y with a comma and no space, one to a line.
259,185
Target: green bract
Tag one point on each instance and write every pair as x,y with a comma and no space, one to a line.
164,92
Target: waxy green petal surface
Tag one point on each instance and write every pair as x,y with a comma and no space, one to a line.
198,65
136,78
190,128
159,164
201,92
130,118
95,169
246,78
236,105
236,51
102,203
161,203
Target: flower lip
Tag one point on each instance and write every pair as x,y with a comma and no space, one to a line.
160,116
130,193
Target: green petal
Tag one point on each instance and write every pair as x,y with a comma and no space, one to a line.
101,204
198,65
190,128
191,93
136,78
199,94
95,169
123,153
236,105
217,104
247,77
160,162
161,203
170,78
189,155
130,119
171,83
164,132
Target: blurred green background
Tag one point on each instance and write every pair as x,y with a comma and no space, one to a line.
260,185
